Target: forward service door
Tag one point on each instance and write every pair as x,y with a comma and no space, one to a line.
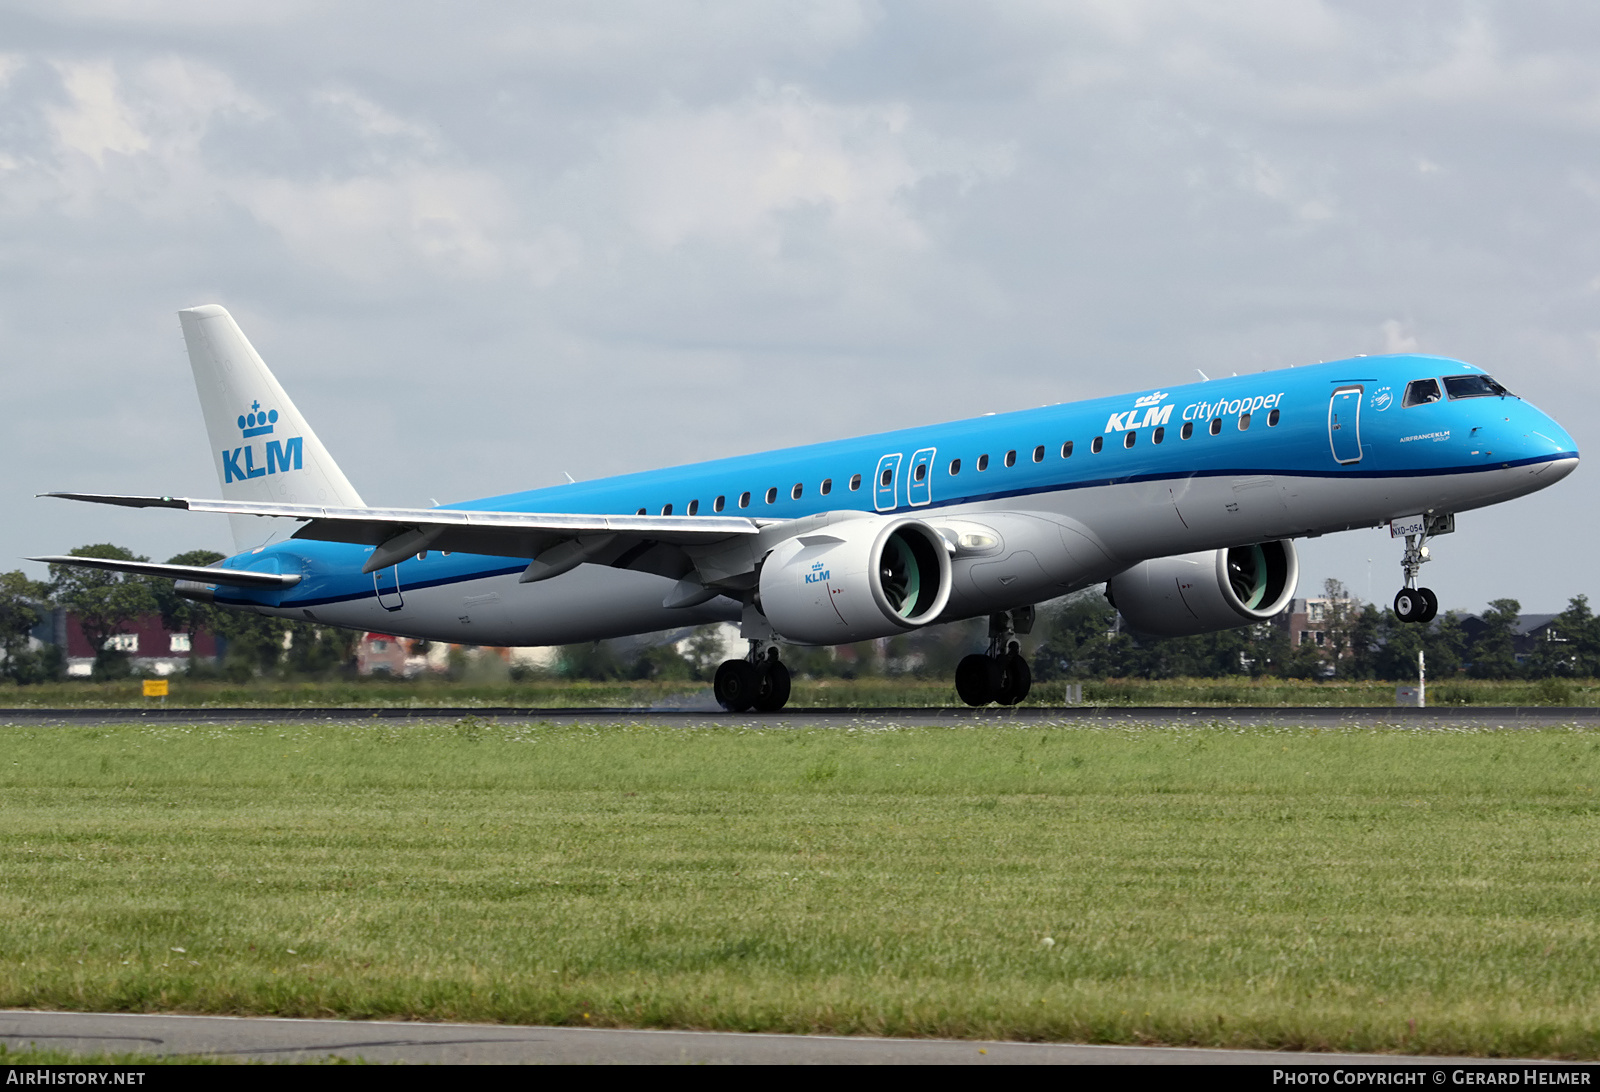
1344,424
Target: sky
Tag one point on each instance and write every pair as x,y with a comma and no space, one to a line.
488,245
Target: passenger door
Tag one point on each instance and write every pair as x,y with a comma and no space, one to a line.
1344,424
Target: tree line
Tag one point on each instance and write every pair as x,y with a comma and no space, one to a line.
1078,636
105,603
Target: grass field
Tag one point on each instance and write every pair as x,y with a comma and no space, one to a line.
865,693
1426,891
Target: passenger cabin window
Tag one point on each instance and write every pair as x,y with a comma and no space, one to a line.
1272,419
772,495
718,504
1187,430
1472,386
1244,421
666,509
1096,444
694,508
955,467
1419,392
983,462
888,476
640,512
744,500
1161,434
921,472
1066,450
1216,426
796,491
855,482
1038,454
1129,438
1011,458
827,486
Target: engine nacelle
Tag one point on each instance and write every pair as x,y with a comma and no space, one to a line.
1207,591
856,580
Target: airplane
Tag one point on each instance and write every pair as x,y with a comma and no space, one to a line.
1184,501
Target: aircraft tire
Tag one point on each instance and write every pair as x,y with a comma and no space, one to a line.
1430,605
1016,680
735,685
1409,606
772,686
977,680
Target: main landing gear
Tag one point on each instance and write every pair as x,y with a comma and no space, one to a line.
1411,603
1001,674
759,681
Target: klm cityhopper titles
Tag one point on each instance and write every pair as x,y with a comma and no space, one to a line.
1184,501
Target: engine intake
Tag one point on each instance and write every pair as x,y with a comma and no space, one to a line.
855,581
1207,591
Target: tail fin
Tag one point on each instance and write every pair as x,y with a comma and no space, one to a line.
264,449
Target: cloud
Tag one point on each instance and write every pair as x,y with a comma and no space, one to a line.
370,227
1397,338
373,121
97,121
732,172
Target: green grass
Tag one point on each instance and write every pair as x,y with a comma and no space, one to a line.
866,693
1377,889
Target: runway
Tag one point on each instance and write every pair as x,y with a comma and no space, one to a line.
265,1039
1500,716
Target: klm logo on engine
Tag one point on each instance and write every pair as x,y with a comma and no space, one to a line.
1154,413
280,455
817,575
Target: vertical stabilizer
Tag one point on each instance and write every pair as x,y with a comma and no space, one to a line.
262,448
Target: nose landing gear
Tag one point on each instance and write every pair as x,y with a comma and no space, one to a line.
1001,674
760,681
1411,603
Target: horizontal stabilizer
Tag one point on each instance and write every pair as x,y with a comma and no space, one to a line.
237,578
498,534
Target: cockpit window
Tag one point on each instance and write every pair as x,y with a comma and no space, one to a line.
1421,391
1472,386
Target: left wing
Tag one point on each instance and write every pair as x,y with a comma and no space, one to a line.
554,542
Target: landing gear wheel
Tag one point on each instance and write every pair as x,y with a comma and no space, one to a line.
1016,680
735,685
978,680
1430,605
772,686
1409,605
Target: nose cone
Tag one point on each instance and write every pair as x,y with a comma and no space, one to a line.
1545,440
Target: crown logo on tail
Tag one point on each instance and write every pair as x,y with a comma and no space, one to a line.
257,422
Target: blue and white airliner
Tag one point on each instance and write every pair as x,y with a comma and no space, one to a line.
1184,501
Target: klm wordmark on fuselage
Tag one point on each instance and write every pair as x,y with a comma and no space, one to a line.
850,539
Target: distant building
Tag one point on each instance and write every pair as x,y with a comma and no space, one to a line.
1528,633
1306,621
383,654
151,648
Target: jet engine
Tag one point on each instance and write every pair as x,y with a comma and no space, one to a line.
855,581
1207,591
